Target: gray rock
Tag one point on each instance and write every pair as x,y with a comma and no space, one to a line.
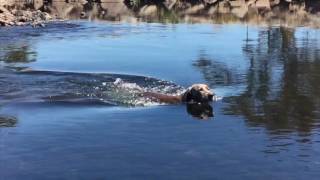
83,14
169,4
23,17
263,4
210,1
195,9
274,2
241,11
148,10
237,3
224,7
213,10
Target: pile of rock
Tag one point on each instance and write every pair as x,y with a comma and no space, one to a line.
17,17
238,8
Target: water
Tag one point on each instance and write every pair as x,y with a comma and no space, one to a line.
266,126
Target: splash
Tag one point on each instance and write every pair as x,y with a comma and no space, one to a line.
131,93
217,98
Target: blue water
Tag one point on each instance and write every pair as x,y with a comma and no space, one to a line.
266,126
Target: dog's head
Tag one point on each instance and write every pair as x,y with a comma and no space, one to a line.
198,93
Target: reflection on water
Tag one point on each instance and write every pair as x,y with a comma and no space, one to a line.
217,73
19,54
200,111
282,82
63,88
7,121
14,50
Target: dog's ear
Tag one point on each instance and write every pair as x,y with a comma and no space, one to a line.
187,95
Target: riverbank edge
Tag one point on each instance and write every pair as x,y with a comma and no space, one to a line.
19,17
281,12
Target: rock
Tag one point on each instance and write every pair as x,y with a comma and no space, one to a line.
274,3
6,18
114,10
3,10
83,15
194,9
169,4
47,16
41,16
37,4
298,9
7,2
148,10
263,4
224,7
237,3
241,11
251,2
23,17
20,24
38,24
212,10
210,1
3,22
83,2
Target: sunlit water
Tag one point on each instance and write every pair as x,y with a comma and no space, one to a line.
266,126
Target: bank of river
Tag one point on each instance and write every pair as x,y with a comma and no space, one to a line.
263,12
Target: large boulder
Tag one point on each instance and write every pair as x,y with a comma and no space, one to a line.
274,3
7,2
224,7
241,11
148,10
195,9
113,8
22,17
210,1
263,4
37,4
237,3
169,4
6,17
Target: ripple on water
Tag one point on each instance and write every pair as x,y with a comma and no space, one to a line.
114,89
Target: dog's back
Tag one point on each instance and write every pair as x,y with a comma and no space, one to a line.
162,98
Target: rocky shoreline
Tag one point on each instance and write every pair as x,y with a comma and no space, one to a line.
283,12
16,17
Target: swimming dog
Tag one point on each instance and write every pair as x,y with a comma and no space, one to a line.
197,93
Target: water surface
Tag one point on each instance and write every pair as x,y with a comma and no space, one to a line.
266,126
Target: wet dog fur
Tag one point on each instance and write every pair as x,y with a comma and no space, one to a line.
197,93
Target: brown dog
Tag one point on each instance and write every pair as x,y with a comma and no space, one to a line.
197,93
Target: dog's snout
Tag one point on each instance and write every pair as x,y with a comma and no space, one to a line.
210,96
